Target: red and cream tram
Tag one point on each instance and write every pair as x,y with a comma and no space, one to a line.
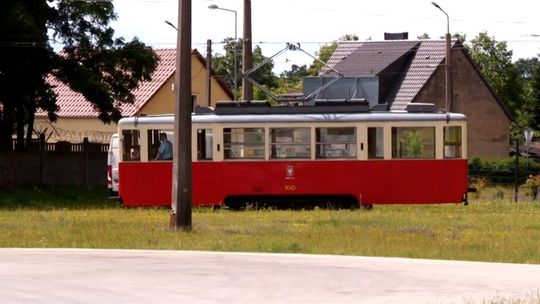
311,155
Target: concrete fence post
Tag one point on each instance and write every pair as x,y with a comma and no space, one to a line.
42,151
86,160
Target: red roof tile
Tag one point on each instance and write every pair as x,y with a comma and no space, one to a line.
74,104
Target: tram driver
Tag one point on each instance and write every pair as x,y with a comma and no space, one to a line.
165,148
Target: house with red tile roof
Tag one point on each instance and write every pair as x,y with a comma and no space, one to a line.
390,74
77,118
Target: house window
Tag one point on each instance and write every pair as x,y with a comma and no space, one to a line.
194,102
413,142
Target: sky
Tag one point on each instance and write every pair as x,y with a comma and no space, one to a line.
314,23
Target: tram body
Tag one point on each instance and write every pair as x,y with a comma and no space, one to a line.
358,158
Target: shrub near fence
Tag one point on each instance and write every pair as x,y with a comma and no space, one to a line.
55,164
503,171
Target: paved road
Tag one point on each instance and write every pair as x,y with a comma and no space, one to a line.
145,276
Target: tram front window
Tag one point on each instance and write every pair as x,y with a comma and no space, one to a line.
130,145
155,138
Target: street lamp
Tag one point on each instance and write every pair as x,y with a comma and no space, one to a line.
212,7
171,25
448,60
447,18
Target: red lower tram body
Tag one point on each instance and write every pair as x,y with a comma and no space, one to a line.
359,182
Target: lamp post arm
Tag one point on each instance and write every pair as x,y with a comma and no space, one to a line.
213,6
447,17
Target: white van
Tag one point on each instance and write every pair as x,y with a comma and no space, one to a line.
112,166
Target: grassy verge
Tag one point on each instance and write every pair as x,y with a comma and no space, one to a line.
497,231
49,198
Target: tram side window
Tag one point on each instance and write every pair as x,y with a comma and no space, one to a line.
375,143
131,145
452,142
204,144
290,143
336,142
413,142
243,143
154,142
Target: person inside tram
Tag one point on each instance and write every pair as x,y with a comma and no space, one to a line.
135,153
165,148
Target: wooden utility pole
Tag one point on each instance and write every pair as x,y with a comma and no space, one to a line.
181,192
208,73
247,87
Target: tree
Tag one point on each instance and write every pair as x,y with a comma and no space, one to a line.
223,65
264,75
529,74
104,69
495,63
291,81
460,37
324,54
424,36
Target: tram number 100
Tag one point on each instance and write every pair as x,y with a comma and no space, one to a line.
290,188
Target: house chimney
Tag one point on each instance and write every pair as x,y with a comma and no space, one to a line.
396,36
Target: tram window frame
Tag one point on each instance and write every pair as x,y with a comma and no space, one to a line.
287,146
252,147
131,140
376,143
153,142
205,141
335,142
453,141
401,149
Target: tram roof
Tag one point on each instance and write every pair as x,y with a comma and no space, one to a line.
298,118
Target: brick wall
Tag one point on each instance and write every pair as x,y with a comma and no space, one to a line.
488,126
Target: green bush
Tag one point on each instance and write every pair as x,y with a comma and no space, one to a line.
502,171
532,186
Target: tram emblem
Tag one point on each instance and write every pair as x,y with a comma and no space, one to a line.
289,172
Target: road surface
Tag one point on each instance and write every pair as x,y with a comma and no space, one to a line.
151,276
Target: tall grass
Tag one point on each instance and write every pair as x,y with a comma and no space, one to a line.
497,230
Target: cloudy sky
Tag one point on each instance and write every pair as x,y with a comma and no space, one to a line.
313,23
